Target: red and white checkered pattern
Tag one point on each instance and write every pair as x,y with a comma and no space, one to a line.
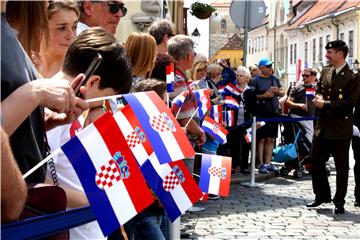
108,175
133,140
215,171
159,124
216,128
171,181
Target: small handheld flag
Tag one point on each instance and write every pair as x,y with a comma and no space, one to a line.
232,90
179,99
215,174
203,101
230,118
108,172
170,78
214,129
173,185
216,113
230,102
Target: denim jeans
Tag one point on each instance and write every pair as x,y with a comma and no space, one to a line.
144,226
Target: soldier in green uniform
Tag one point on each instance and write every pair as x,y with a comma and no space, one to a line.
337,93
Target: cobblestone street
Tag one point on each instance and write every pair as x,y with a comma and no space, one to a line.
274,211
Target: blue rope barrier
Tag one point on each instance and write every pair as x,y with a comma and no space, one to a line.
42,226
286,119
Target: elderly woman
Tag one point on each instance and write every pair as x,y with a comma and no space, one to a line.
239,147
268,90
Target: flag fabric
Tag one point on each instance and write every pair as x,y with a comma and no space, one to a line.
114,105
194,85
163,131
214,129
179,99
247,136
216,113
232,89
230,102
310,91
203,101
108,172
170,78
221,89
230,118
173,185
215,174
134,134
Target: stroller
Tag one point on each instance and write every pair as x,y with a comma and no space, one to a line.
302,162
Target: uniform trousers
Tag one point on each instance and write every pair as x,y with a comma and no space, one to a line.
320,153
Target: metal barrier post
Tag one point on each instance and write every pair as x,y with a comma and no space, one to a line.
174,229
252,182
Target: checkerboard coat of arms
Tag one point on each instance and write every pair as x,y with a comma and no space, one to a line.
173,179
218,172
112,172
162,123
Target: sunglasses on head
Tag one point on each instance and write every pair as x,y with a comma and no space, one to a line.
305,75
114,8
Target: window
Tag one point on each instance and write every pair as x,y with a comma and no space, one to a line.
314,51
291,53
320,49
306,53
351,43
327,38
262,43
295,53
223,25
342,36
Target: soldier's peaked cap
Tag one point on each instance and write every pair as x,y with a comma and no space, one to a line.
337,44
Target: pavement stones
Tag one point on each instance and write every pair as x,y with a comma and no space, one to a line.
275,211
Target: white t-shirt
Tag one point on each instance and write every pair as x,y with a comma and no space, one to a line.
66,175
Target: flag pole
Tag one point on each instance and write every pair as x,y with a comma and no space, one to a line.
53,154
177,114
192,117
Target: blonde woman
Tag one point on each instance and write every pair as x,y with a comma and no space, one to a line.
141,50
63,18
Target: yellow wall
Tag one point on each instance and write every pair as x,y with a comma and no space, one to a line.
234,55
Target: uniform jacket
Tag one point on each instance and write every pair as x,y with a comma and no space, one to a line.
340,94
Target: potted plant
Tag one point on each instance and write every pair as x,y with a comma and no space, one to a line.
201,10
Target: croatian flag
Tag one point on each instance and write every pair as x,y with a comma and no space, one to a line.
232,89
230,118
179,99
173,185
216,113
114,105
170,78
247,136
310,92
163,131
108,172
214,129
215,174
194,85
230,102
203,101
135,135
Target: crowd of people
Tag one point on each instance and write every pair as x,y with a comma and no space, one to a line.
43,62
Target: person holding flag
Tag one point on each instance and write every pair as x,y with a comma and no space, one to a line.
104,82
300,101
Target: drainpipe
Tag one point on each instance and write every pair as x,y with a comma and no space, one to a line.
335,23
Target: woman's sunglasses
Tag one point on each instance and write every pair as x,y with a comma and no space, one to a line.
305,75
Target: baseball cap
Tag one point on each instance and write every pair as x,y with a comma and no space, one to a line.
264,62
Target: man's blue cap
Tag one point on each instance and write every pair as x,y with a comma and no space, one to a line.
264,62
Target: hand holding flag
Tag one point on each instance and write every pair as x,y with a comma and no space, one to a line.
214,129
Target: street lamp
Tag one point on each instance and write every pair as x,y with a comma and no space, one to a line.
195,36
